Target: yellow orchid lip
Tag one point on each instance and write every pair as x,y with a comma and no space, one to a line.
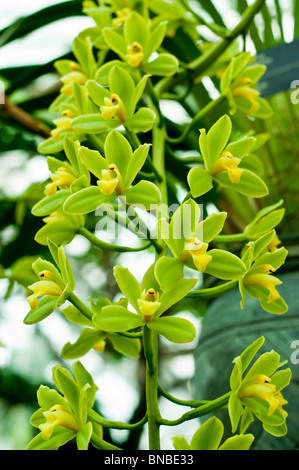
114,107
57,416
62,177
135,54
260,387
121,16
273,246
267,281
41,288
149,303
63,124
69,79
197,251
100,346
111,181
248,93
227,162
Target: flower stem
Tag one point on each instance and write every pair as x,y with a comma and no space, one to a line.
201,64
150,343
109,246
106,423
213,292
197,119
202,410
80,306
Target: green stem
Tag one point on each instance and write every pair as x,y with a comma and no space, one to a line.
178,401
80,306
159,162
187,160
106,423
202,410
202,63
101,444
109,246
216,29
212,292
150,343
197,119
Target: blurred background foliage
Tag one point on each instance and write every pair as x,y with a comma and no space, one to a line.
32,38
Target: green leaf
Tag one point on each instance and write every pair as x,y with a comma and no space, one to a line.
40,265
59,231
183,225
59,438
85,201
115,41
168,271
180,443
144,193
50,204
142,121
46,306
200,181
97,92
174,295
122,84
84,436
93,124
51,145
208,436
67,386
238,442
65,268
149,280
127,346
250,184
164,65
210,227
266,364
75,316
242,147
115,318
48,397
118,151
102,74
136,163
277,431
128,285
156,38
137,94
136,29
235,410
93,160
87,339
276,258
248,354
281,378
217,139
83,377
264,112
176,330
278,307
225,265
